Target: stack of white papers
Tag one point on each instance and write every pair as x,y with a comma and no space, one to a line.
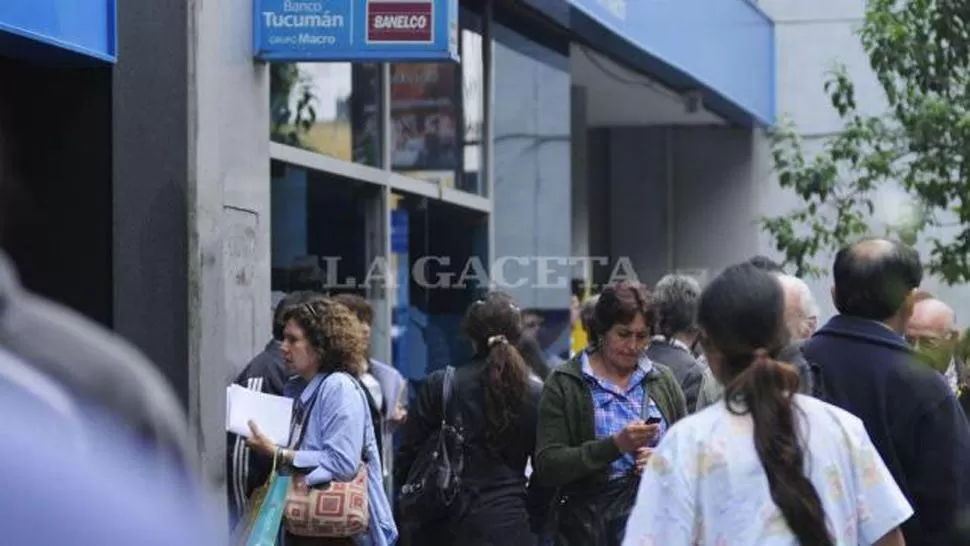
270,413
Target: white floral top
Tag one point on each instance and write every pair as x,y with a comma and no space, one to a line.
706,486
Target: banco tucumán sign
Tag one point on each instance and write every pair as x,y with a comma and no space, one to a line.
355,30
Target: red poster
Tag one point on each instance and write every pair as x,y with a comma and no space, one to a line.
395,21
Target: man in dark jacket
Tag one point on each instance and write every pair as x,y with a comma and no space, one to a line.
868,369
676,298
266,373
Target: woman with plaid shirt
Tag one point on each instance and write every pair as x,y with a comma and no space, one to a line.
600,415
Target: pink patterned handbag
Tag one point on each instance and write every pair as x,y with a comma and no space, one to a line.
338,510
333,510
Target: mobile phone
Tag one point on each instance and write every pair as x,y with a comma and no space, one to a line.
653,420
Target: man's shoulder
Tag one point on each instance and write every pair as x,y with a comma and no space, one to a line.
267,369
680,362
828,346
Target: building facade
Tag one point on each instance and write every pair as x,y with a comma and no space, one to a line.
199,184
811,38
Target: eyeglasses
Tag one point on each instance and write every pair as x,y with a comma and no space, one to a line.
929,341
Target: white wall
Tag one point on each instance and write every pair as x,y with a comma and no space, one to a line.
532,181
810,38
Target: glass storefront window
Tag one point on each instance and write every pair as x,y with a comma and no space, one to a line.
434,247
319,230
328,108
437,115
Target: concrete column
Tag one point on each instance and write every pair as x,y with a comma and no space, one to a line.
150,232
192,201
228,215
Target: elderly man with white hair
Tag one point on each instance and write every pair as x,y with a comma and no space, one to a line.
932,332
801,311
801,318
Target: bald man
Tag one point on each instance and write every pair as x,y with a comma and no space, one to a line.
868,369
931,331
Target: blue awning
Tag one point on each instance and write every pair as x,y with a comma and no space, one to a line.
55,28
723,48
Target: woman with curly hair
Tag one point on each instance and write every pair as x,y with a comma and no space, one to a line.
325,346
494,400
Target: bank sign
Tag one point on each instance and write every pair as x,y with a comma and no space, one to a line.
355,30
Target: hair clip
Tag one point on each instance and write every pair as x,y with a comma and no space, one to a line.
495,340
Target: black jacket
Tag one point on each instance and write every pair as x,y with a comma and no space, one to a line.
911,415
495,498
687,370
247,470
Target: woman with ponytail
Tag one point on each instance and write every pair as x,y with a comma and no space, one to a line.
495,400
766,466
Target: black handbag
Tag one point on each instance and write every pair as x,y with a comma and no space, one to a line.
595,516
434,481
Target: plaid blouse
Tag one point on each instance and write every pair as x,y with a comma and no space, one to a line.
614,408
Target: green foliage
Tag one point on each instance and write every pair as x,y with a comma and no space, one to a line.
920,53
289,122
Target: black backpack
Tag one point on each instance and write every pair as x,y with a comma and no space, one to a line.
434,481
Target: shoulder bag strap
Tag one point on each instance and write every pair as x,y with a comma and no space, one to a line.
447,384
361,389
305,418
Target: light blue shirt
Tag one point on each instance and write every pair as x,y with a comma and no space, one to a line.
337,430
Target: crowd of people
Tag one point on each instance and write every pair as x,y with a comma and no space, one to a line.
722,415
716,415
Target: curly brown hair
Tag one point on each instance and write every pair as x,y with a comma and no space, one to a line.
334,332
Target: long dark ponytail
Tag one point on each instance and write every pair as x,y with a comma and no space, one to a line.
742,315
494,325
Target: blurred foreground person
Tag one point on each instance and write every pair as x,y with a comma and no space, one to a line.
492,404
766,465
95,367
868,369
71,476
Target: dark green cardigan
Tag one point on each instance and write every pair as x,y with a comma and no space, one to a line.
567,451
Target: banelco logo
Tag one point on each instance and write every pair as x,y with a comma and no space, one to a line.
504,273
